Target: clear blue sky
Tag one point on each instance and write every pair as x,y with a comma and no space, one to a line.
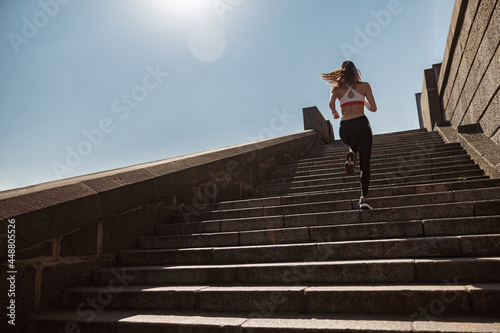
87,86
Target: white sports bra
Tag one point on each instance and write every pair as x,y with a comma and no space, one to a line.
346,100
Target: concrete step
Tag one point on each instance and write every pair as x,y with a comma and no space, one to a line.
306,272
322,247
396,164
427,146
301,247
439,151
262,320
337,169
339,205
461,299
354,183
344,194
332,233
373,230
387,175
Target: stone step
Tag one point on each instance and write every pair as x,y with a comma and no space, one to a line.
396,164
457,299
342,205
299,246
382,271
409,238
345,194
386,175
262,320
411,180
441,151
427,146
337,169
383,139
273,231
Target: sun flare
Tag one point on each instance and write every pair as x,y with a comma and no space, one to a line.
184,9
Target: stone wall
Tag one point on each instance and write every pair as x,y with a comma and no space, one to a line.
469,79
465,102
68,228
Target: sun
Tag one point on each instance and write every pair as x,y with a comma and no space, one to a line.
184,10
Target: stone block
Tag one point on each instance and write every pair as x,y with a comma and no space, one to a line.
366,231
81,242
477,194
490,120
458,270
236,213
485,300
388,299
318,219
43,249
243,299
47,210
476,246
462,226
120,232
275,236
272,253
186,228
487,207
187,241
243,224
132,297
58,276
164,257
379,249
154,275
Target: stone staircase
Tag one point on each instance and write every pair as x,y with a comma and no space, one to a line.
300,256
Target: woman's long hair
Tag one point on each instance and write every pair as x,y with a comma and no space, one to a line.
346,75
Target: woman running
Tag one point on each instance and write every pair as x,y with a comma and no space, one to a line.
355,130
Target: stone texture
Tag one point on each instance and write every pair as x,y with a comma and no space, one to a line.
44,249
164,257
470,270
42,212
366,231
314,253
462,226
485,300
82,242
487,207
56,277
123,191
239,299
388,299
488,245
120,232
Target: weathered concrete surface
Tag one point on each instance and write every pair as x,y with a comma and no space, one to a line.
66,229
468,83
483,150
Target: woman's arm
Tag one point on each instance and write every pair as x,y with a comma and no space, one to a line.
370,105
333,97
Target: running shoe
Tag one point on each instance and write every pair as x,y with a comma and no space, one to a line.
349,163
363,204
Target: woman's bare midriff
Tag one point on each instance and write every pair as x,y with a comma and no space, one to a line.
352,111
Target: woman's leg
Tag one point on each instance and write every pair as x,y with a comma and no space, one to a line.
348,136
365,151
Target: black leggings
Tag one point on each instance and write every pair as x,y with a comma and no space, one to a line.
357,134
